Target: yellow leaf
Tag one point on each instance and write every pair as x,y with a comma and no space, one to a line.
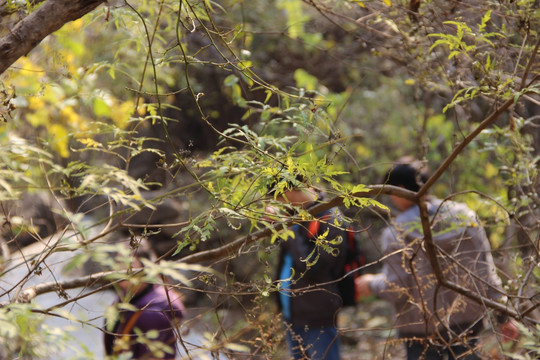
409,82
388,2
77,25
60,138
141,108
121,114
363,151
69,115
491,171
38,118
360,3
52,94
24,64
244,64
204,163
359,188
89,142
35,103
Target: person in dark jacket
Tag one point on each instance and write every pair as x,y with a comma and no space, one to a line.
154,308
434,321
310,262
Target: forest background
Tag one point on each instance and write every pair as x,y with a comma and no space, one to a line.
167,120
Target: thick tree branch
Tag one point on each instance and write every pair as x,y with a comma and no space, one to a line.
30,31
484,124
459,148
30,293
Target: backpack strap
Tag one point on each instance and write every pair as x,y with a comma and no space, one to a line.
126,330
315,225
131,322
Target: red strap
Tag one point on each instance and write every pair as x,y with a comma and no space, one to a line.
313,228
315,225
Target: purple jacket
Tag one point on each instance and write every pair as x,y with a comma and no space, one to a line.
154,314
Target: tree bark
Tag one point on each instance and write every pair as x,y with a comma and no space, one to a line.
30,31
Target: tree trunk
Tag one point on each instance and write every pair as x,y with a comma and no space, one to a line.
48,18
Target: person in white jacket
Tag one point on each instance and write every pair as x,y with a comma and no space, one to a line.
432,319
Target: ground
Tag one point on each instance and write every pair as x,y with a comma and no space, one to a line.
367,335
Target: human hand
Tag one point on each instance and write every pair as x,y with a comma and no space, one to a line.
271,214
362,285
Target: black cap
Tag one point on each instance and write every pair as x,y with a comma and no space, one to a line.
408,173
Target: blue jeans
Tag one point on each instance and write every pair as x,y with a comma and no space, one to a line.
313,343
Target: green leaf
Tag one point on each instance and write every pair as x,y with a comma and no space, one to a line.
230,80
237,347
305,80
111,317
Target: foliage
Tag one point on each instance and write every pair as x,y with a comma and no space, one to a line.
24,335
205,104
529,342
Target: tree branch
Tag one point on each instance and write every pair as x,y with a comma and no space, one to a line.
232,247
484,124
30,31
30,293
224,251
429,244
230,250
459,148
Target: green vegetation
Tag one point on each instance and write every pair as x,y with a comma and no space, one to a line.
168,120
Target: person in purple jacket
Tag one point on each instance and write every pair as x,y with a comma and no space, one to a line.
149,330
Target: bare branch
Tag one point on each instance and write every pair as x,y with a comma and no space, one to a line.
459,148
231,249
30,293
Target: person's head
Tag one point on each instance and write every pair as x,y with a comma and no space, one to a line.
129,251
409,174
294,191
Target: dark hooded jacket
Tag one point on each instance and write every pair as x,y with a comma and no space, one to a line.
314,297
